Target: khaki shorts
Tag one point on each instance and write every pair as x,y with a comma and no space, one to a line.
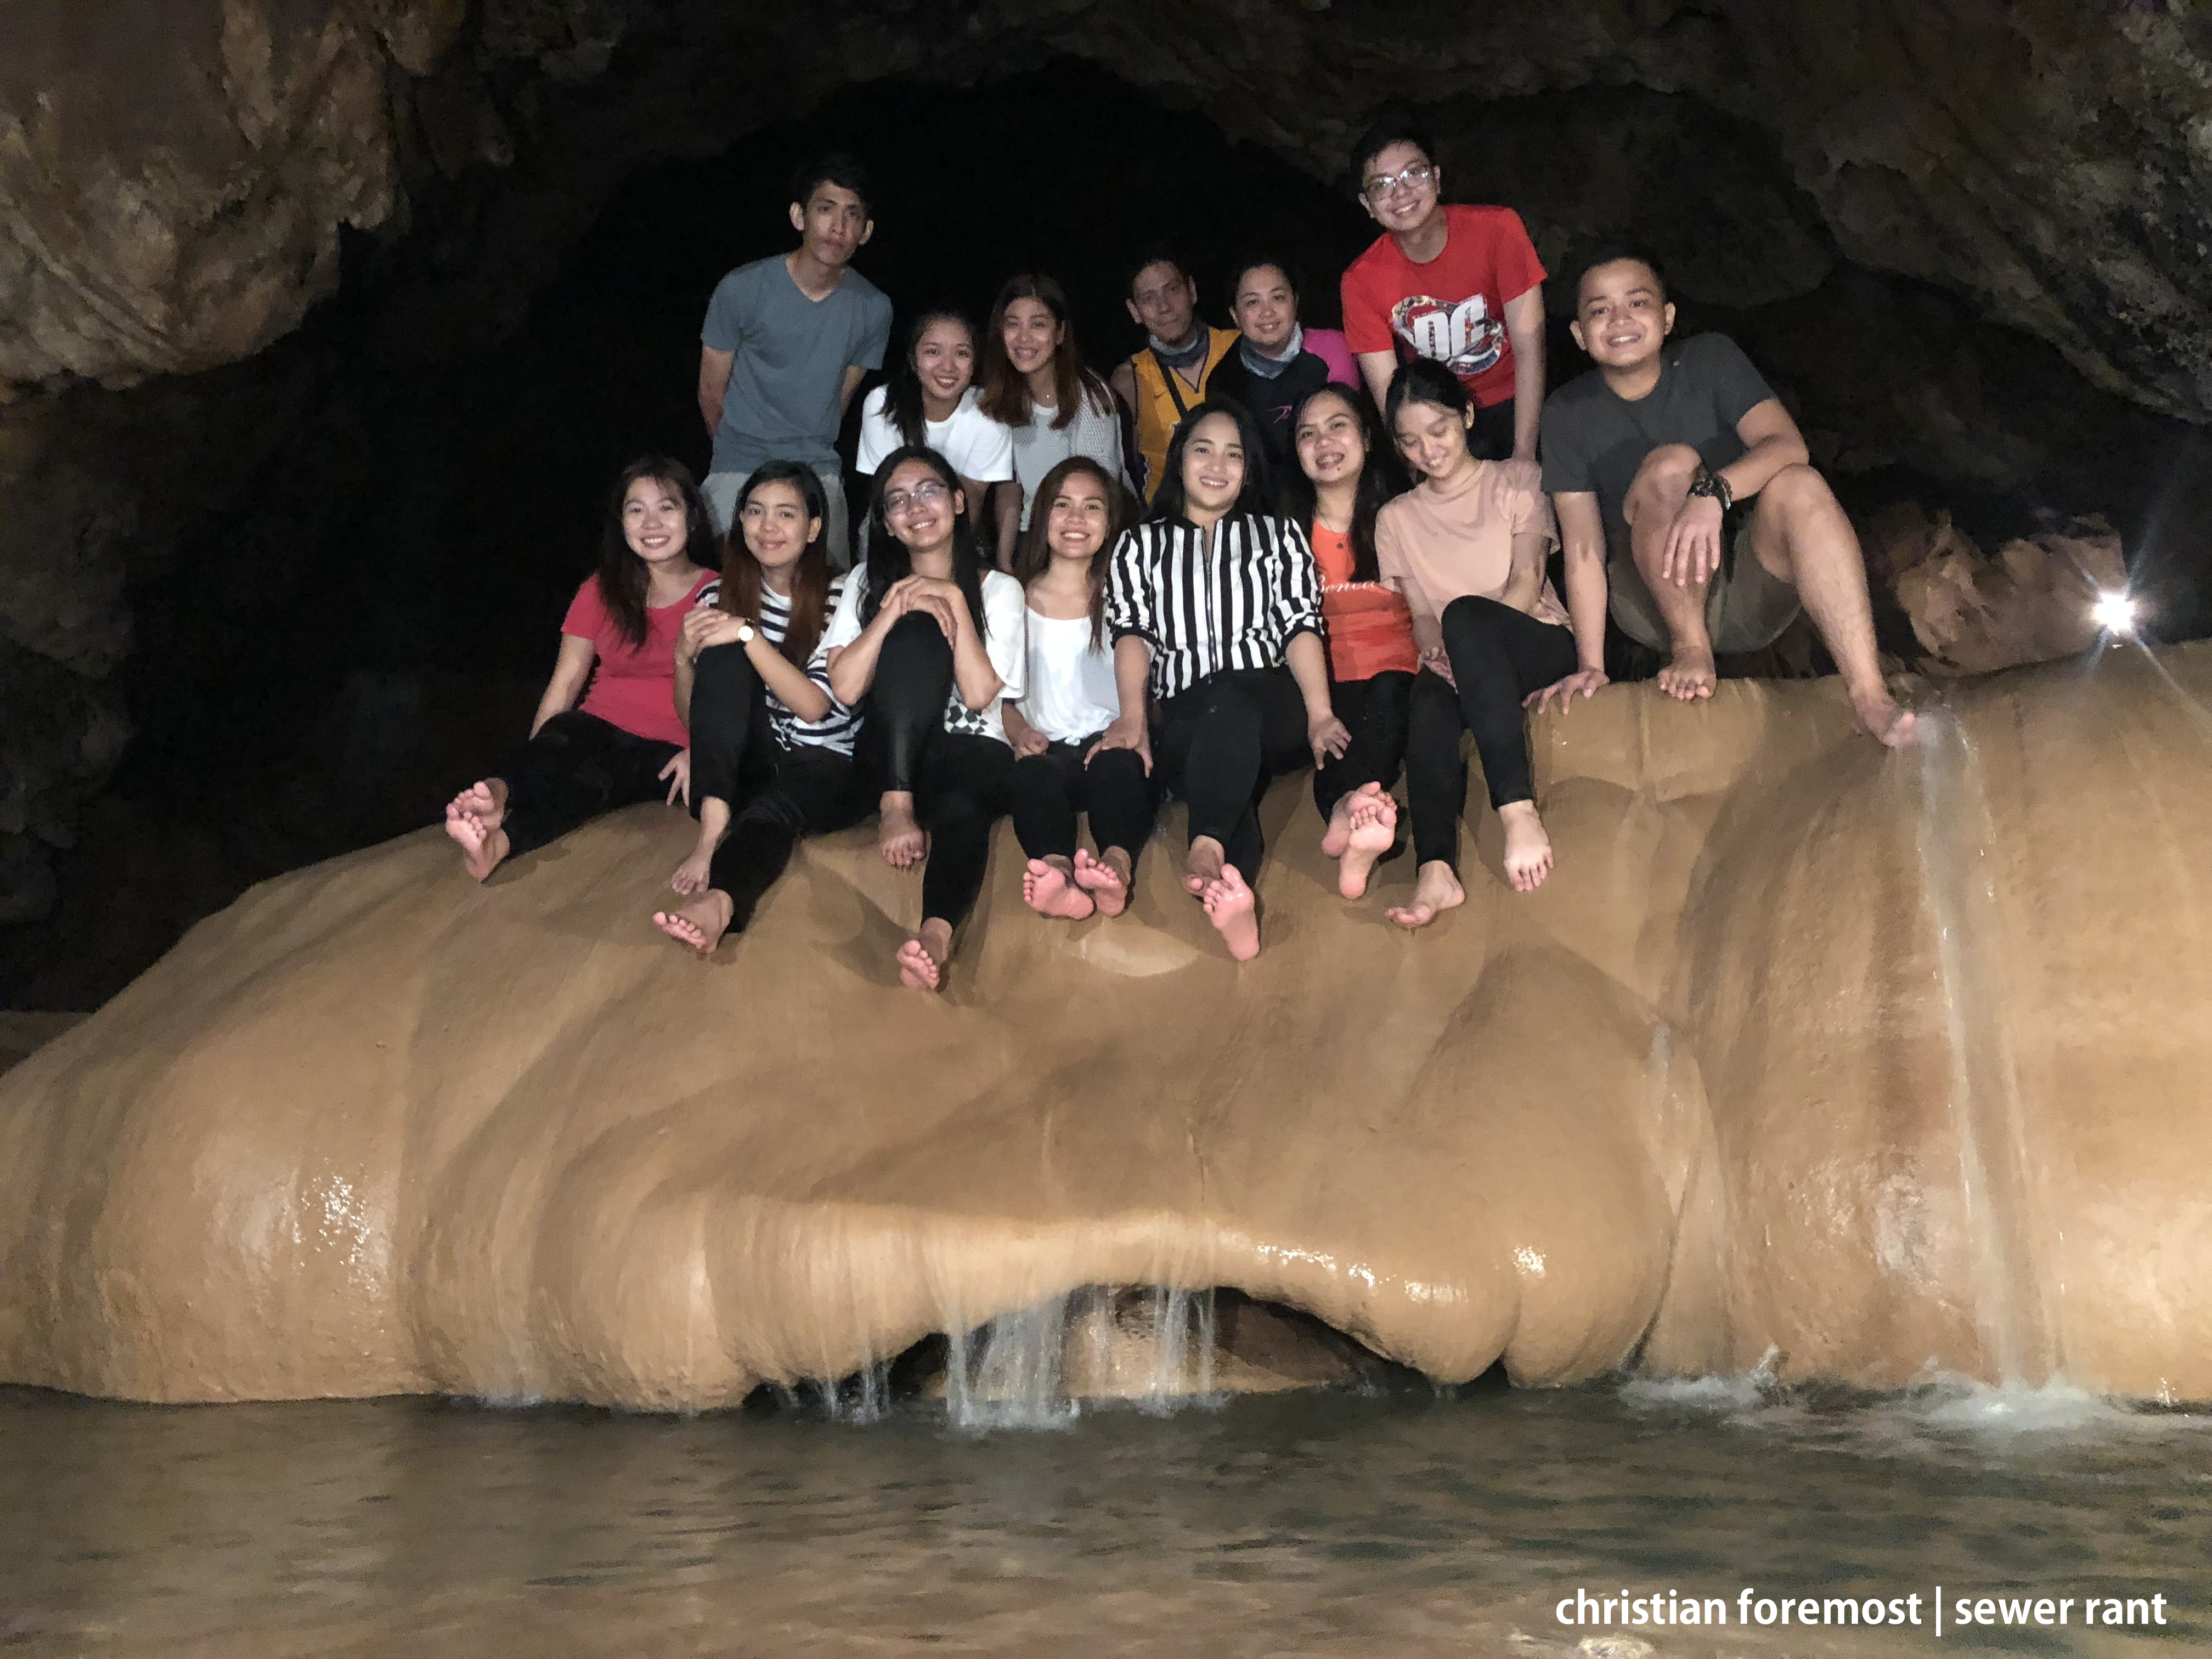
1748,606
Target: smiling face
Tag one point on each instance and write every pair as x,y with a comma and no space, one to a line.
1032,334
1076,525
1331,442
1164,302
1266,307
1621,314
1433,439
1395,191
919,507
1212,467
833,224
945,360
777,526
654,522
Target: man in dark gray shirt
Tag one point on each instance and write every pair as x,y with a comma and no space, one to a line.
786,341
1645,457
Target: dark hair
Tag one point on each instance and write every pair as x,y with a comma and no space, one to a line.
1423,381
835,168
890,561
1253,261
742,578
1007,390
902,394
1381,477
623,576
1617,253
1034,557
1393,124
1169,503
1153,253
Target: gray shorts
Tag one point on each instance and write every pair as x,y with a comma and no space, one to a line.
720,490
1748,606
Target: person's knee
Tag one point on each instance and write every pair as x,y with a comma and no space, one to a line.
1796,491
1472,620
1661,482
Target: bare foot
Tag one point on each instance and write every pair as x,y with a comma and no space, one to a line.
921,959
1338,835
482,845
900,839
1527,848
1229,907
699,924
1203,867
1881,719
1436,890
1107,879
1374,827
692,875
486,798
1050,889
1689,675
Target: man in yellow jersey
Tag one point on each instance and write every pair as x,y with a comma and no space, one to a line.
1168,378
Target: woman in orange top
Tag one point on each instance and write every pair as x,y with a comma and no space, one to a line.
1345,472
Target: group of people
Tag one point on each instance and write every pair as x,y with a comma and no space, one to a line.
1243,552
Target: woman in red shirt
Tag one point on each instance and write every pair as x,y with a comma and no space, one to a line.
1345,472
625,740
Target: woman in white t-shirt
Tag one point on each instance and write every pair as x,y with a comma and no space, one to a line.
1071,701
1035,381
935,643
930,399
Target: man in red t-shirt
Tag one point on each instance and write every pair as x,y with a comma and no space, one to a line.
1460,285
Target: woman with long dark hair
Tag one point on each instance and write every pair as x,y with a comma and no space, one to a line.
626,741
1466,546
1070,701
930,399
1035,382
769,745
1343,475
1214,603
935,643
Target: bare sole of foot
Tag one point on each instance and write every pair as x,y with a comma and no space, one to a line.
1230,907
1882,719
1051,891
919,969
1689,675
482,845
1436,890
900,838
699,924
1099,878
1374,827
1338,835
1528,846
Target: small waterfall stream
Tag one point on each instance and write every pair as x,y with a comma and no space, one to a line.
1151,1344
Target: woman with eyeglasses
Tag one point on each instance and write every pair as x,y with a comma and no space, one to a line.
935,643
1459,286
1214,603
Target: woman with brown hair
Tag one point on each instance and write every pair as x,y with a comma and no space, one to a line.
1035,381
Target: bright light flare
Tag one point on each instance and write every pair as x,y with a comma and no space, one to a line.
2114,612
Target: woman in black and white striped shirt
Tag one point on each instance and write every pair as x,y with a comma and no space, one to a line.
1215,608
767,740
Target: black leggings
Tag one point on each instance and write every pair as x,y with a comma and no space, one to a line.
1051,788
776,794
1376,710
1219,745
1499,656
961,784
577,766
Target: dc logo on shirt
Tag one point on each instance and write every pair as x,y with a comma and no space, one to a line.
1464,338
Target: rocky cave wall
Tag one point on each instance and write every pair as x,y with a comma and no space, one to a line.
1968,237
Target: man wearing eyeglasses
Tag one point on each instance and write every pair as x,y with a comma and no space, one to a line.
1460,285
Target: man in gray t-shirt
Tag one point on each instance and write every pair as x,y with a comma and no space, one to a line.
1646,456
785,342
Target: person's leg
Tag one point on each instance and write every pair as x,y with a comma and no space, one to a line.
1661,485
965,787
905,718
1436,793
576,766
1122,800
813,791
1499,655
1352,790
1800,533
836,536
727,699
719,490
1045,789
1242,726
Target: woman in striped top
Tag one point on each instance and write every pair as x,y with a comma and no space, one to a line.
1215,608
769,742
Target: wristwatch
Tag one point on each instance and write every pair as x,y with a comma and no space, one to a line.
745,633
1710,484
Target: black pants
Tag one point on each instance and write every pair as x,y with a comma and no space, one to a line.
1051,788
1374,710
1499,656
776,794
1219,745
961,784
576,767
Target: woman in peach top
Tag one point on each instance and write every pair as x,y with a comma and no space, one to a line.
1346,473
1467,547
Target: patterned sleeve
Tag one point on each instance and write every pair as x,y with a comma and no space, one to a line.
1297,581
1128,598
